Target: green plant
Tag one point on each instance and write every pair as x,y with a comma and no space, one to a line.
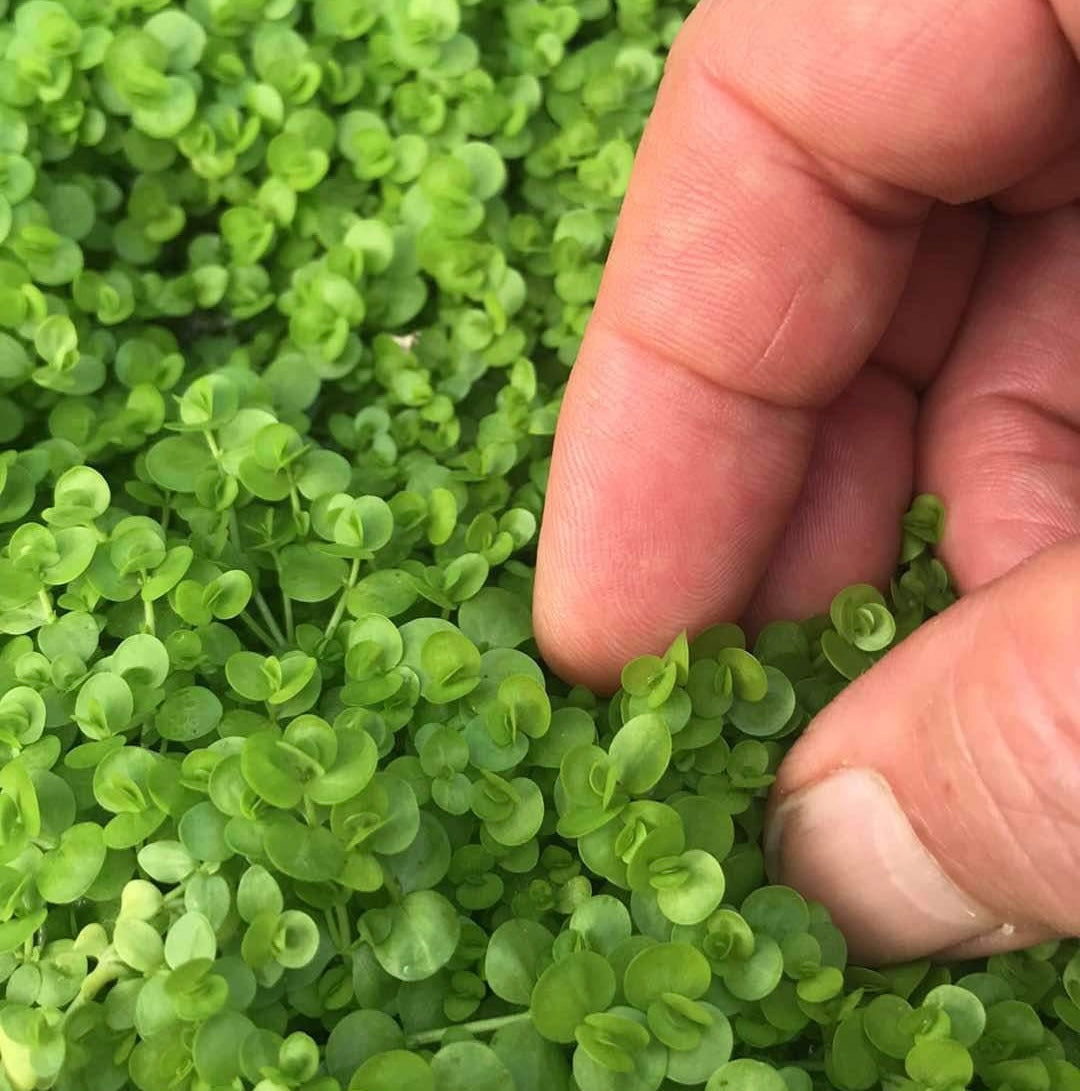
289,290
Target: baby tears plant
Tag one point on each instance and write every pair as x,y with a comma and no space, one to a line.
289,292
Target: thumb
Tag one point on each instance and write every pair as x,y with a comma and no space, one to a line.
932,807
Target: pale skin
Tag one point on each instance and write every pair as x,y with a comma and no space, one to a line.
848,269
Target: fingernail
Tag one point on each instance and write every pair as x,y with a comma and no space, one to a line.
846,843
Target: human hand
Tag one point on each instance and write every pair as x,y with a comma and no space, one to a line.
848,267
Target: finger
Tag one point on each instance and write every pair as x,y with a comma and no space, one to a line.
762,248
936,295
1001,428
1006,938
845,527
1048,188
932,804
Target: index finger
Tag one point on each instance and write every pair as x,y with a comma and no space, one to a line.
794,152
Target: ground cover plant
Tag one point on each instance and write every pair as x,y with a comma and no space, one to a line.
288,293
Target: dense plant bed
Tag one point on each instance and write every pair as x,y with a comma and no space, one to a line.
288,294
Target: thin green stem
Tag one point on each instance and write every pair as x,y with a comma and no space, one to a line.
286,602
332,929
290,625
478,1026
278,637
344,924
148,617
234,529
215,450
268,616
339,610
258,630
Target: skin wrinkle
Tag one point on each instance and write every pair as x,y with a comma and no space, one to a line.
875,203
1068,418
946,698
801,419
1049,350
1022,837
665,291
977,760
982,765
781,82
645,319
1036,404
1017,481
1004,435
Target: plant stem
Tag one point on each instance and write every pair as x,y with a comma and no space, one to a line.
478,1026
290,625
339,610
290,628
344,925
258,630
332,929
268,616
257,596
148,615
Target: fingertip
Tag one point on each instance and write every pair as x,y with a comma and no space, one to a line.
656,519
565,625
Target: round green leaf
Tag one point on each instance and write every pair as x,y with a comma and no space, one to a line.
517,954
569,990
188,714
640,752
309,575
69,870
666,968
416,937
967,1017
